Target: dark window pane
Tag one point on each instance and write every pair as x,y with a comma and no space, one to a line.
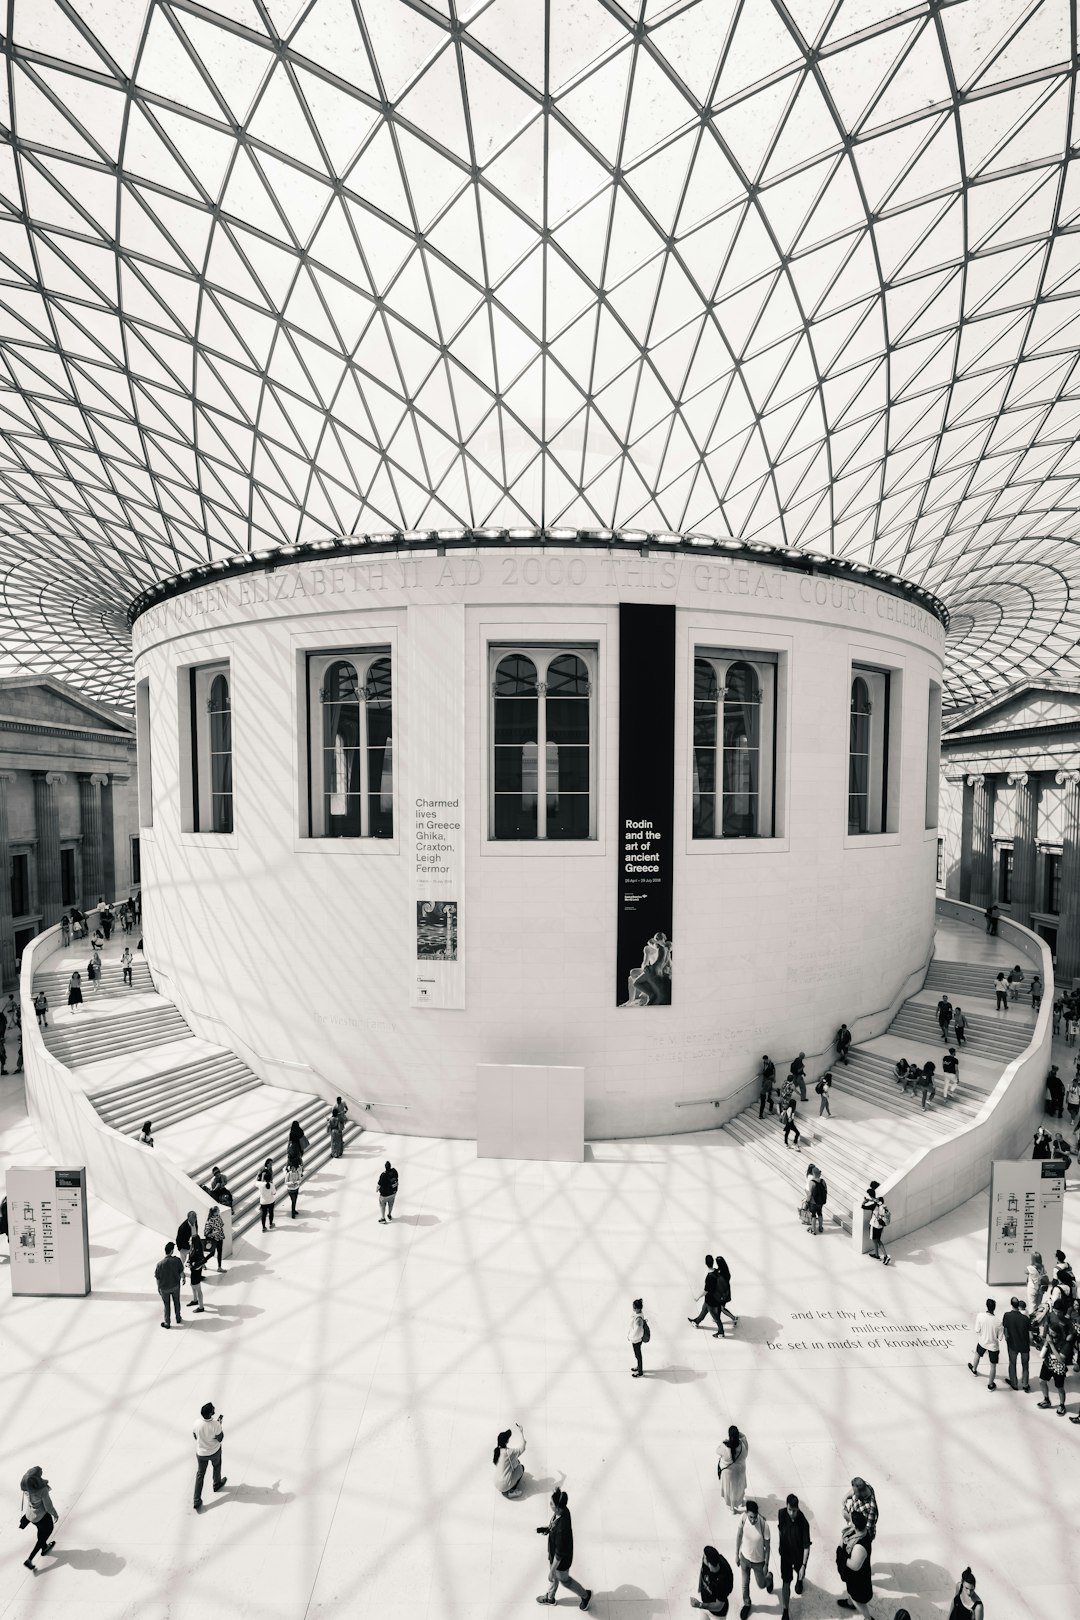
568,815
515,676
705,685
567,676
20,885
567,720
514,817
516,720
704,815
567,769
705,724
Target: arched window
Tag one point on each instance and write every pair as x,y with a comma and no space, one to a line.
859,758
352,768
735,718
221,790
541,767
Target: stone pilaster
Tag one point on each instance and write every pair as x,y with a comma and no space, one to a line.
7,932
93,876
1025,827
1068,937
47,824
966,817
982,840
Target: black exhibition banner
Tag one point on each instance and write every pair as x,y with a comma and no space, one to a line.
646,803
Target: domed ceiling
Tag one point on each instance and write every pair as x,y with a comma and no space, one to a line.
803,272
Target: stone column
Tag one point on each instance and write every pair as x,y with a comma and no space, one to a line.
47,823
1068,937
982,840
90,786
1024,832
966,815
7,931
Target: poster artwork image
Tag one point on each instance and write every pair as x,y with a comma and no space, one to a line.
436,930
646,804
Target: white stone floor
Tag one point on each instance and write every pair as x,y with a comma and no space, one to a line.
364,1371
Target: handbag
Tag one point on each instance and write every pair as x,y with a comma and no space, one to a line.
804,1214
24,1523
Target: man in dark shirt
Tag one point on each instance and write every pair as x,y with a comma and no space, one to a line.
388,1186
560,1549
794,1537
169,1274
843,1041
798,1074
1055,1093
944,1016
715,1583
1017,1328
768,1080
708,1293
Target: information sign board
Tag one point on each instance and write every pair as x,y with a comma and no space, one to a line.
48,1232
1027,1198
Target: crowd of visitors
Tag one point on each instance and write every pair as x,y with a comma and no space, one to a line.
1048,1321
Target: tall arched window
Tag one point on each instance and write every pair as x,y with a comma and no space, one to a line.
541,766
351,758
734,736
221,789
858,813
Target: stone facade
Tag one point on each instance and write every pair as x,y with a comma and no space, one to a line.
1010,813
68,808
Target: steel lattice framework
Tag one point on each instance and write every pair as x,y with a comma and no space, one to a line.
805,272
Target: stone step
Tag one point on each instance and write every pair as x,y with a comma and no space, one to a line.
170,1108
982,1037
790,1165
269,1141
176,1073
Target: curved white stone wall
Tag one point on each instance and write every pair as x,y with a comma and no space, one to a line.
305,948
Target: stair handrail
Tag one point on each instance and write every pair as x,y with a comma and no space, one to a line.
236,1041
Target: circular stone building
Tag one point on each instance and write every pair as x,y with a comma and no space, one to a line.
641,805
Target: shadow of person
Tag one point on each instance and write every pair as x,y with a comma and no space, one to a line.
540,1486
921,1577
754,1329
644,1605
676,1375
92,1558
258,1495
416,1220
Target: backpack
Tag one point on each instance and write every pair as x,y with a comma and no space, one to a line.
820,1087
882,1218
646,1332
823,1196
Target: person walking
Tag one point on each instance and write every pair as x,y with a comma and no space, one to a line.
388,1186
196,1267
944,1016
1036,992
765,1088
214,1235
1001,992
959,1024
817,1195
1037,1281
707,1297
842,1043
1057,1010
298,1143
1016,1327
41,1008
752,1549
209,1434
731,1468
1072,1101
65,930
169,1274
793,1534
145,1135
506,1460
988,1331
294,1175
1055,1093
1058,1340
560,1552
991,919
853,1562
715,1583
74,998
185,1233
39,1510
823,1089
787,1120
1016,979
798,1074
336,1127
862,1497
638,1334
126,960
723,1295
966,1603
950,1068
266,1187
878,1211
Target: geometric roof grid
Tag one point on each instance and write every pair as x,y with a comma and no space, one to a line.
804,272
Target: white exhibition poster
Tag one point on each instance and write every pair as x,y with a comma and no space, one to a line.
434,811
1027,1201
48,1232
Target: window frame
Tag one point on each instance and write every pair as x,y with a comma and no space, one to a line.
1051,884
885,684
143,752
542,651
317,661
196,683
72,849
1003,874
24,852
765,664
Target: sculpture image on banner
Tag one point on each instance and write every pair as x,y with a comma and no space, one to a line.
650,984
436,930
1027,1201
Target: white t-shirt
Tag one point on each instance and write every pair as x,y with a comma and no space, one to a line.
207,1436
989,1330
753,1542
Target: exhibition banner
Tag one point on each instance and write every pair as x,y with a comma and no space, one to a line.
435,800
646,804
47,1230
1027,1202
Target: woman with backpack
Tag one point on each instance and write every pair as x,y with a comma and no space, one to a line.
817,1193
294,1175
214,1235
823,1088
38,1511
879,1220
638,1333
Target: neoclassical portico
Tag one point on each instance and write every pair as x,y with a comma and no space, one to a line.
1010,813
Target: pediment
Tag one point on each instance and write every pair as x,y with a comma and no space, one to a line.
46,701
1030,708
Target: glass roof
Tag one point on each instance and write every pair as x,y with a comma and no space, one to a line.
800,272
